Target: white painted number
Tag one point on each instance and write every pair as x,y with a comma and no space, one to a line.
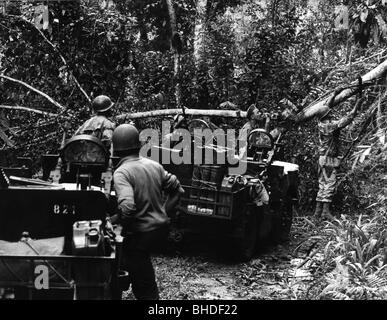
56,209
64,209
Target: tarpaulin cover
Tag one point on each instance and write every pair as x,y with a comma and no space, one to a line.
20,269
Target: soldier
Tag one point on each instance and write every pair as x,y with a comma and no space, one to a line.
99,125
329,150
211,123
252,123
179,122
139,183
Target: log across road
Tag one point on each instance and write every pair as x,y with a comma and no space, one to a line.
190,112
306,114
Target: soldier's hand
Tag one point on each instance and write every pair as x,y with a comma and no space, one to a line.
109,227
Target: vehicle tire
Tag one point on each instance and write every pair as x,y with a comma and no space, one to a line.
286,218
245,244
264,228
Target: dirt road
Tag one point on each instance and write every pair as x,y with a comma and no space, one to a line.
282,272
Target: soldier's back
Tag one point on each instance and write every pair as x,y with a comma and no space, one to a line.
95,126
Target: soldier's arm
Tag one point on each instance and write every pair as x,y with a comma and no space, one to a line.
125,199
349,118
108,129
106,139
107,134
172,187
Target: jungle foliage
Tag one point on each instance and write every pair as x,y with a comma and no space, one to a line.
254,52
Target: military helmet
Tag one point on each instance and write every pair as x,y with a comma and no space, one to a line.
102,103
126,137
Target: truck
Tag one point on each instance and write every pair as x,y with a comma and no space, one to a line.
53,240
247,211
56,224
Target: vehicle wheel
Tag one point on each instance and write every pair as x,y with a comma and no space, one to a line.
286,218
265,225
244,245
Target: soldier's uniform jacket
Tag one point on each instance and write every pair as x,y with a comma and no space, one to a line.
329,135
246,129
98,126
139,183
329,160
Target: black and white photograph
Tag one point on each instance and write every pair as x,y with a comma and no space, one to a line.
210,152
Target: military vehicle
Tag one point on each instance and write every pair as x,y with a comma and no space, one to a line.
246,211
53,241
57,223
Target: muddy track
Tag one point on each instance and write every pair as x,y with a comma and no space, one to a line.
200,272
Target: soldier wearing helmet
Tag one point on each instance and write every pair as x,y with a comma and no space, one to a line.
252,123
329,154
99,125
139,183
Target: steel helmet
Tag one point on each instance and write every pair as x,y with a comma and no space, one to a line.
102,103
126,137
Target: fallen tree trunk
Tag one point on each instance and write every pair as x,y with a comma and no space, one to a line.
190,112
320,107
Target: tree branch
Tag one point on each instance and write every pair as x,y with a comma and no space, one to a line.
57,52
29,110
35,90
321,106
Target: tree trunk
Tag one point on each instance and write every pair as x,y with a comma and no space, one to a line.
191,112
199,53
274,13
176,46
320,107
200,32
